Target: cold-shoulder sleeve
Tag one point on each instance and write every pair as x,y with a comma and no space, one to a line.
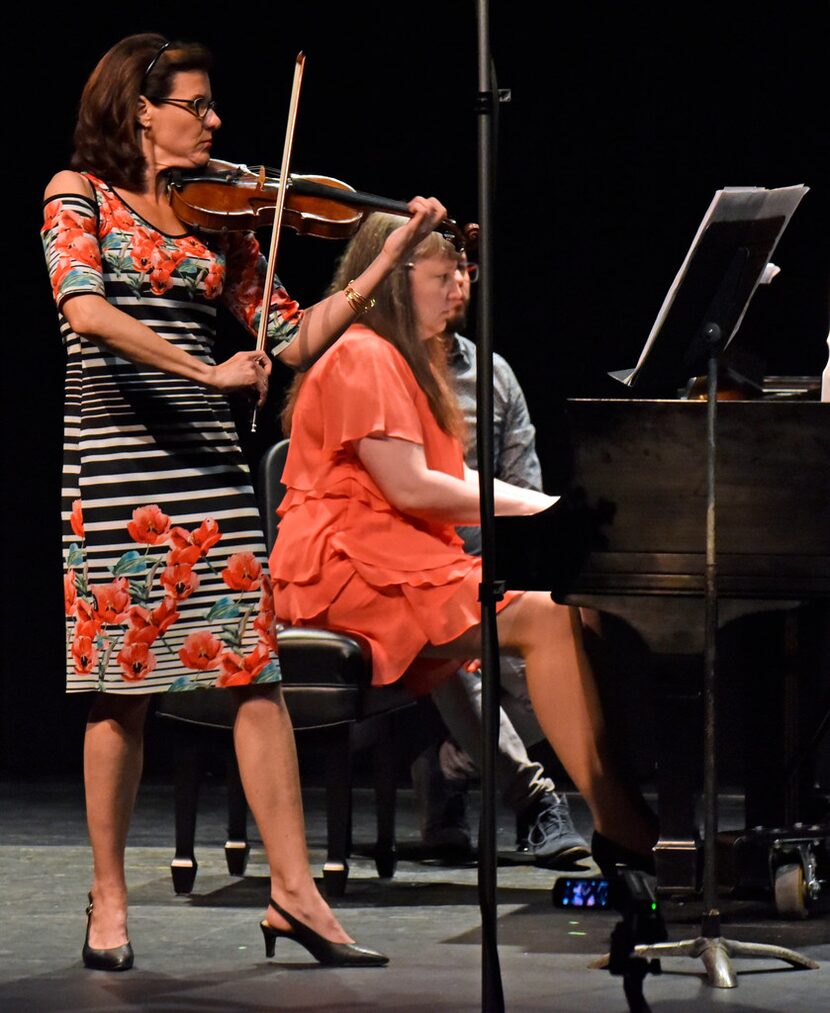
70,243
242,294
367,390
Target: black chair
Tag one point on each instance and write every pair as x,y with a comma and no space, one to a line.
327,685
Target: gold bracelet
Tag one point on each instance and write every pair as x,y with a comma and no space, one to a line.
359,303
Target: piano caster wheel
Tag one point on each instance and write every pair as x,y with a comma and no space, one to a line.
236,855
798,878
183,871
335,876
790,891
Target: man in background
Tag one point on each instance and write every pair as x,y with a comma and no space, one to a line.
440,774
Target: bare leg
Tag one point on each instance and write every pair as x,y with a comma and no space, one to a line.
264,741
565,699
113,758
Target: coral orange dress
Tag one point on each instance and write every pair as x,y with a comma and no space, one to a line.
345,558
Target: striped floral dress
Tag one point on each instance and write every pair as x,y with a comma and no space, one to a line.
163,550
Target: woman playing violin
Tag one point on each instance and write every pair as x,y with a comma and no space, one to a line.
164,584
376,483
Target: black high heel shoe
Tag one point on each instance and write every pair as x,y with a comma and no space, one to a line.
118,958
323,950
608,855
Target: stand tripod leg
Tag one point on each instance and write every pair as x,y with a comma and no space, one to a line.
738,949
713,952
715,957
716,952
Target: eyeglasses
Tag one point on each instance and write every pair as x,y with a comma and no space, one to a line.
200,107
449,279
471,270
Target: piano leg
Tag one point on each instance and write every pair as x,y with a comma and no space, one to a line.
786,690
678,852
656,700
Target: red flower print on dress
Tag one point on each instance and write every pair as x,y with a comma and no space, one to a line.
82,222
237,671
146,626
206,535
189,555
105,215
119,217
88,623
112,601
192,247
243,572
69,220
62,269
179,581
75,238
149,525
265,622
84,655
165,615
142,249
214,281
201,651
136,661
289,309
76,519
140,632
164,263
190,546
266,626
160,279
69,592
51,213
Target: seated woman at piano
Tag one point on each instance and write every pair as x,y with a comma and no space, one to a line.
376,483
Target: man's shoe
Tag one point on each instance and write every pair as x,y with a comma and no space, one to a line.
449,845
523,822
553,839
442,803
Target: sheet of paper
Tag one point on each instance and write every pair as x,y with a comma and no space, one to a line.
728,205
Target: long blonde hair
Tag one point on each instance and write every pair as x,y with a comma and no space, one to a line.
393,318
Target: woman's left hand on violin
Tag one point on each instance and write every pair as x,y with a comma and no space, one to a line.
427,214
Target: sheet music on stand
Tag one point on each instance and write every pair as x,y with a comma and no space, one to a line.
751,219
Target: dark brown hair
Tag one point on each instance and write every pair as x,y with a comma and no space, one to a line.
393,318
107,134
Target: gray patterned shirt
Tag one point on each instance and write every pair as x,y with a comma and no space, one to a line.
515,455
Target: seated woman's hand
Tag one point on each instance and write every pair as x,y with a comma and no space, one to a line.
516,500
536,502
244,371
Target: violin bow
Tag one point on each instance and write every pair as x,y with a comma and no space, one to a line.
271,269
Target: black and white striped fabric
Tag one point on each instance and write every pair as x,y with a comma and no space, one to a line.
164,581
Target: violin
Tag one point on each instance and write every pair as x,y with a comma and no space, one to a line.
230,197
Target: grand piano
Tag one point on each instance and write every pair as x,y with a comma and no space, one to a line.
628,540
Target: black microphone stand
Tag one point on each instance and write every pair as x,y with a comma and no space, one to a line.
492,994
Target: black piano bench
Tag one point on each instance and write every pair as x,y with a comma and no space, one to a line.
326,685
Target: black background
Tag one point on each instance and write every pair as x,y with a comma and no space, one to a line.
623,123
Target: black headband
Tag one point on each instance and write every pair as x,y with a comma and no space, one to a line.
152,64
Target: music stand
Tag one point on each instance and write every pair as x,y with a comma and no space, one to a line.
724,265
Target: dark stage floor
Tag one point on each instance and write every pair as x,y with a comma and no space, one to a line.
204,952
